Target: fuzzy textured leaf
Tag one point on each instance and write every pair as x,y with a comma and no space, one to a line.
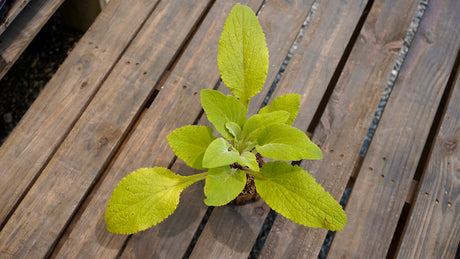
219,153
294,193
234,129
283,142
223,184
221,109
144,198
288,102
259,121
243,54
189,143
248,159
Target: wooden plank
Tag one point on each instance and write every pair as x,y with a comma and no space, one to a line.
378,195
25,27
65,97
62,185
173,107
13,12
346,120
317,56
434,228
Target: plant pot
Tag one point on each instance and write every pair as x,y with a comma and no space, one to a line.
249,193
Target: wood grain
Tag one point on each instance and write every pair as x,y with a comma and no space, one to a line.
14,10
434,228
379,194
50,118
346,120
176,105
338,23
25,27
45,210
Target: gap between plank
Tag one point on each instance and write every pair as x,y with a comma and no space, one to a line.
425,157
198,232
159,86
270,219
183,47
268,223
292,49
66,134
207,215
394,74
338,71
130,129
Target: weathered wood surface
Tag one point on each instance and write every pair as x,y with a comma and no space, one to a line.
346,120
65,97
14,10
382,185
85,151
178,98
127,85
23,30
434,227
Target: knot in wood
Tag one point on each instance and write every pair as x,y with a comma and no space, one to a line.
451,145
259,211
102,142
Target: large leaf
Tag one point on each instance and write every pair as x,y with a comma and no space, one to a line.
189,143
294,193
288,102
223,184
243,54
283,142
144,198
259,121
220,153
221,109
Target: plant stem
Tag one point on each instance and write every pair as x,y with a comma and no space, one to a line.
195,178
253,173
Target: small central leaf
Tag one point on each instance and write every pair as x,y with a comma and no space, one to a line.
221,109
234,129
248,159
219,153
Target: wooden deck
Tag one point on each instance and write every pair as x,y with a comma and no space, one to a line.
136,75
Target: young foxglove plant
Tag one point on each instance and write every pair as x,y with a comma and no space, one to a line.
149,195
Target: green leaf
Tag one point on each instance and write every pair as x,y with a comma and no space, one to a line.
221,109
288,102
219,153
189,143
144,198
294,193
234,129
243,55
223,184
259,121
249,159
283,142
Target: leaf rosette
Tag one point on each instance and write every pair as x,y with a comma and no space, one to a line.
149,195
